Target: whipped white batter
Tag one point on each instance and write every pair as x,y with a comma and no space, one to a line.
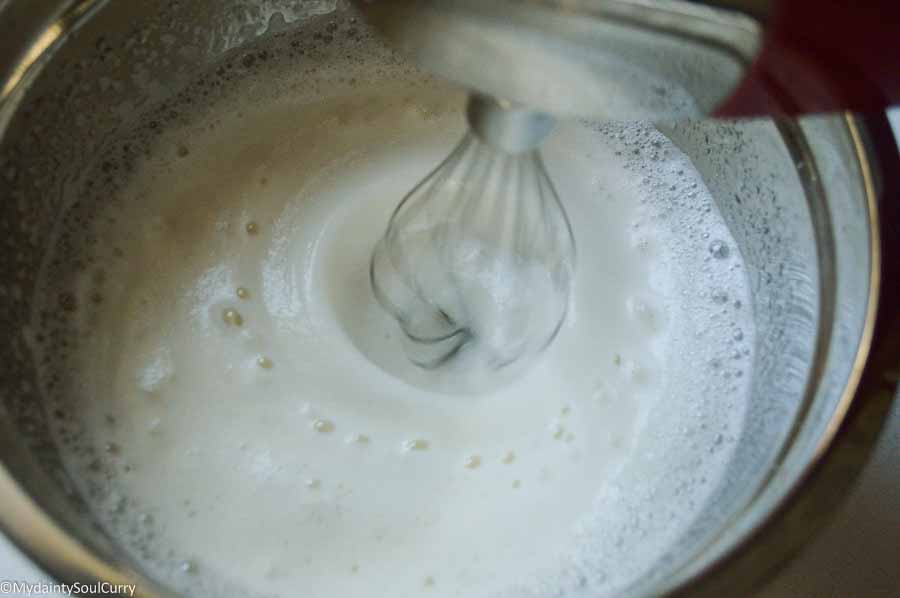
247,404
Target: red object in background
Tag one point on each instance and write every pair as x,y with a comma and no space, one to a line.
821,56
831,55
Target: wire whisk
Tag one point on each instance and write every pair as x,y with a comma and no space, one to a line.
478,259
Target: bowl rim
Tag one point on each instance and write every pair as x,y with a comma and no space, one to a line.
852,429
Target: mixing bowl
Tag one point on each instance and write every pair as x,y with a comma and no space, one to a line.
802,198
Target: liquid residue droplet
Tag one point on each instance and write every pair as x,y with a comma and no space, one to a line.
323,426
719,297
232,317
417,444
557,430
719,250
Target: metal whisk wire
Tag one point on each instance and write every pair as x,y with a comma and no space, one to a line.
479,256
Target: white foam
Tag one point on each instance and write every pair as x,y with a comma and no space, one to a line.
618,434
156,372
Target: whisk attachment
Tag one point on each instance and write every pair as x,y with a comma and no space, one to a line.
477,261
509,127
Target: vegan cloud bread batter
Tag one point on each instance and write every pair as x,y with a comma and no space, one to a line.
237,408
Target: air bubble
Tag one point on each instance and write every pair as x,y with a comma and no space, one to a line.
719,297
557,430
357,439
323,426
232,317
719,250
417,444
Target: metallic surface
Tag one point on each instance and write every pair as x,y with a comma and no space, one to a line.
535,52
842,451
51,21
506,126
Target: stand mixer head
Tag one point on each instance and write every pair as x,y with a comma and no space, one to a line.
658,60
599,59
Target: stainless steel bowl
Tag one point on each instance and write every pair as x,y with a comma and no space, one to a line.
801,197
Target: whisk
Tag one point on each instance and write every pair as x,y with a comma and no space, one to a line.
478,259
